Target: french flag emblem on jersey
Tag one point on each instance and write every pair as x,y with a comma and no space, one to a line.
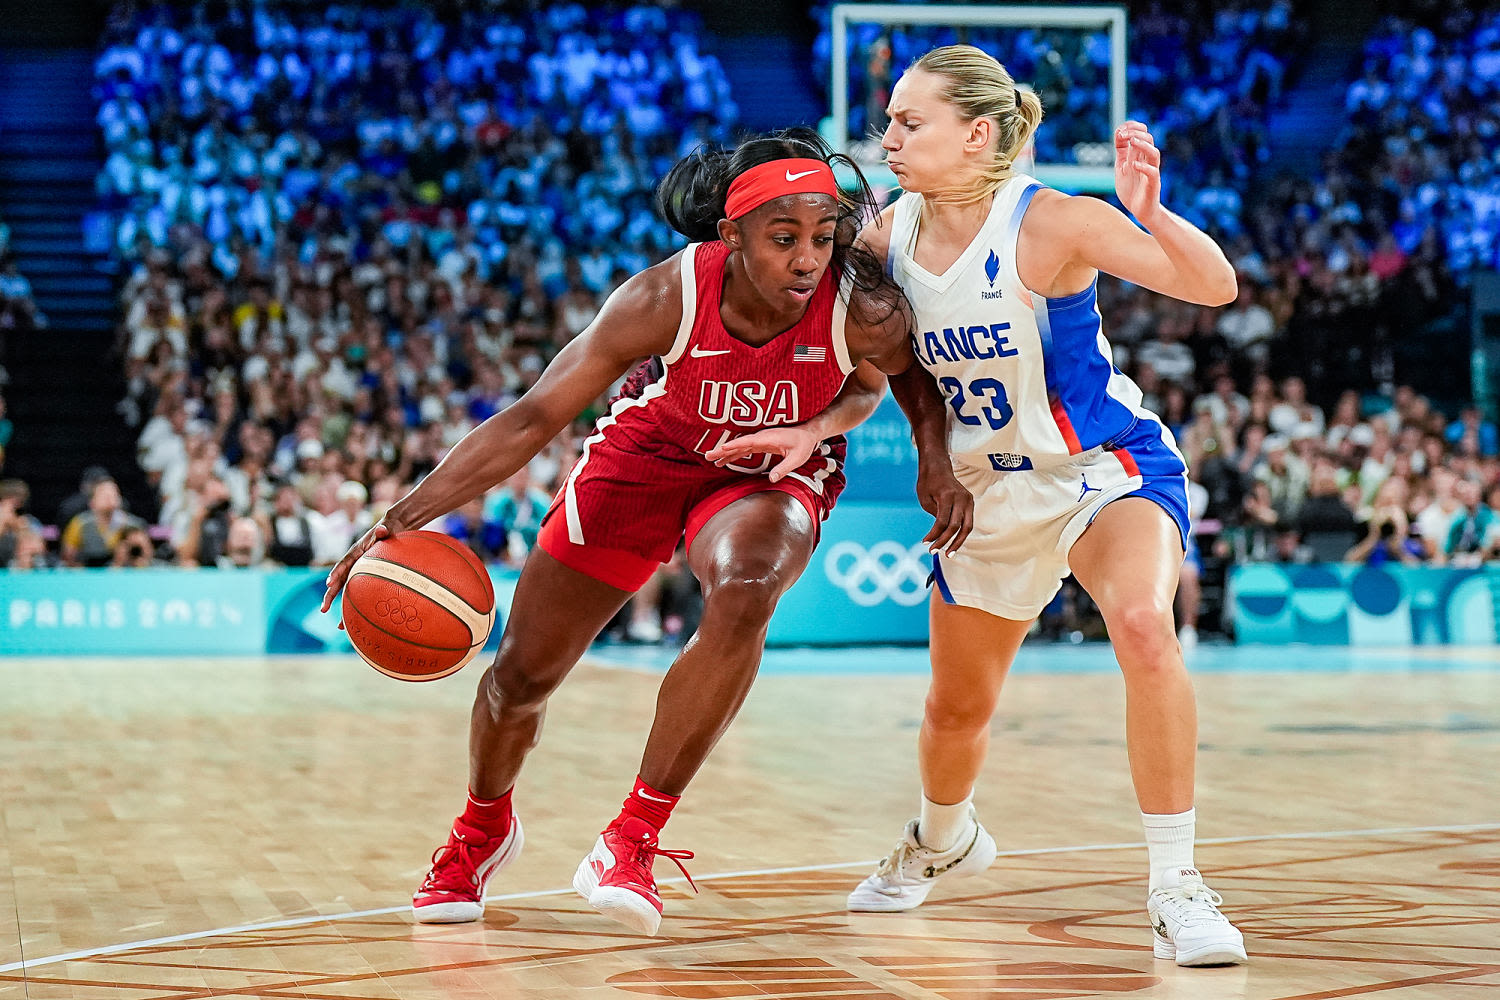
802,352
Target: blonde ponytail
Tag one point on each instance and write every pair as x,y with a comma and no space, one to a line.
978,86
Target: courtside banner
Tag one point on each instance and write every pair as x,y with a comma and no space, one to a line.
1347,604
158,612
867,582
882,461
170,612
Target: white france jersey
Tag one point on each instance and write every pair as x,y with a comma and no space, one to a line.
1029,381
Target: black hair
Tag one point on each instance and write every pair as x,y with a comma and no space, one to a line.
691,198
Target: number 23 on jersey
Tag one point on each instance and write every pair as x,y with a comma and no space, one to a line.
986,395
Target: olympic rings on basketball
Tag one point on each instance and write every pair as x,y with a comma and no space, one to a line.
887,571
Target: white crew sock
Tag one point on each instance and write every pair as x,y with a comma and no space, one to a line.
1169,842
941,826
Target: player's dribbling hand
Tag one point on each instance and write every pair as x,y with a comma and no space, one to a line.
795,445
383,529
950,504
1137,170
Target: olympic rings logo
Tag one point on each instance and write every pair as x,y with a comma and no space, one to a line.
887,571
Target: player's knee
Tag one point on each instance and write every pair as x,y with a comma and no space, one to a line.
956,715
519,683
744,595
1142,633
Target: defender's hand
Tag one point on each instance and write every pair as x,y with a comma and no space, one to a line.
794,444
1137,171
950,504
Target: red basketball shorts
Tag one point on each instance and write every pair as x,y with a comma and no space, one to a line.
621,514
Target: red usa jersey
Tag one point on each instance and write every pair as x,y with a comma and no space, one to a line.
713,387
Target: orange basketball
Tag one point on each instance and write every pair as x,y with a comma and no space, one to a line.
418,606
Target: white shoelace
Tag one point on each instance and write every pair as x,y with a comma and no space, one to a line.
1186,895
904,850
894,861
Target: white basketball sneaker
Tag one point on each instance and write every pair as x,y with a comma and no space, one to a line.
909,872
1187,925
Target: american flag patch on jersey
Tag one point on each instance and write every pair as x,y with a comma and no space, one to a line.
803,352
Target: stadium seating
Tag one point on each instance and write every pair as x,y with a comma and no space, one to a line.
1423,152
1206,84
359,231
18,317
349,234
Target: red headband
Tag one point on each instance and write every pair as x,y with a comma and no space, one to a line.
758,185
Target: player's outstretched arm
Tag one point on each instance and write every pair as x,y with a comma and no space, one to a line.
640,319
1172,256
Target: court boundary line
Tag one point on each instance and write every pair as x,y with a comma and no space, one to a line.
114,949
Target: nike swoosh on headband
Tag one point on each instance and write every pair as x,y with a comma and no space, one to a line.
792,177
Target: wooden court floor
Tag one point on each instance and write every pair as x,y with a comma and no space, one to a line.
183,828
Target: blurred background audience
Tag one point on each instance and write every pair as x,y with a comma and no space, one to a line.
350,233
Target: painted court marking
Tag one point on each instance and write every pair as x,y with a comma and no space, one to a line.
1079,659
320,918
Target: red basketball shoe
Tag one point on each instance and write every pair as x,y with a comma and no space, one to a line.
453,891
616,877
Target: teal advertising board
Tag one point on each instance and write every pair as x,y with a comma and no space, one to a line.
151,612
867,583
167,612
882,462
1353,605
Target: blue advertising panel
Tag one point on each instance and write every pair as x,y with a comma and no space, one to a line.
1355,605
167,612
137,611
867,581
294,623
882,461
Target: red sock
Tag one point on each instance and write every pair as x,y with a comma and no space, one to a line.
490,815
647,804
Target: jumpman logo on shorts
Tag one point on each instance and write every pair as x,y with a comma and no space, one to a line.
1087,489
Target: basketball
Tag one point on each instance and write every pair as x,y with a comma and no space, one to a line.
418,606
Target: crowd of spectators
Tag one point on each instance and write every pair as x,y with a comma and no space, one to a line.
350,233
1285,478
1423,156
18,311
1206,81
1369,258
1383,480
21,536
18,316
349,236
1069,69
505,138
